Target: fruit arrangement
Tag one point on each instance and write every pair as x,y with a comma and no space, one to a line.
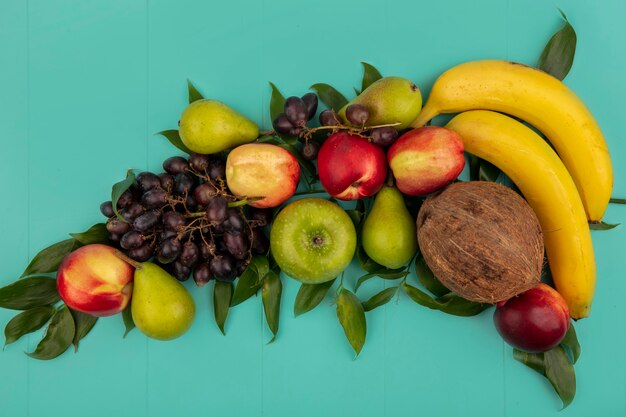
389,194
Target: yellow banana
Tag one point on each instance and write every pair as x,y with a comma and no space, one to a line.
549,189
541,100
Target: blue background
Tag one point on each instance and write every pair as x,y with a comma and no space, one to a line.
84,86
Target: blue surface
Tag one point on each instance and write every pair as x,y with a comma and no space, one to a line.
84,86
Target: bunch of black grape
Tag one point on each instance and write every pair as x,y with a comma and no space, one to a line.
297,112
188,221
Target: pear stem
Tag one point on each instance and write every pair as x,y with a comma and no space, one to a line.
390,178
125,258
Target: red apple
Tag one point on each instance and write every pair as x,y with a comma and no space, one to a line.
350,167
92,279
534,321
262,170
426,159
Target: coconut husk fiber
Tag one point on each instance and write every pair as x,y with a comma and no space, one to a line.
481,240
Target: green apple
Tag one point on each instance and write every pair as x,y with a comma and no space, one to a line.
313,240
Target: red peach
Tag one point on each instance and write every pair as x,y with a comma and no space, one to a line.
534,321
426,159
92,279
350,167
262,170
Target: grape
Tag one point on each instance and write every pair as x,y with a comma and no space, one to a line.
357,114
142,253
296,111
217,169
207,249
202,274
260,242
167,181
168,250
310,150
233,223
114,237
204,193
295,131
189,254
222,268
125,199
106,209
180,271
155,198
147,181
199,162
237,245
132,240
329,118
146,221
310,101
173,220
182,184
175,165
216,210
384,136
166,234
117,226
282,125
190,203
130,213
261,216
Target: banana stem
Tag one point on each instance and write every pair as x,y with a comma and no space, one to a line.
618,200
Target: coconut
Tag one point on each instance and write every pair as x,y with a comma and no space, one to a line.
481,240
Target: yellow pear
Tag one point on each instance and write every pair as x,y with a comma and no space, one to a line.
161,306
389,234
389,100
210,126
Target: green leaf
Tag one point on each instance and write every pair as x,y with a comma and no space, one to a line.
533,360
474,168
382,273
251,280
602,226
277,102
30,292
194,94
174,138
330,96
428,279
560,373
488,171
127,316
49,259
95,234
558,55
310,296
59,335
118,189
222,296
366,262
271,294
370,76
570,344
449,303
352,318
380,299
27,322
83,323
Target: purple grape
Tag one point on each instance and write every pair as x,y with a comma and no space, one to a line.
310,101
106,209
175,165
357,114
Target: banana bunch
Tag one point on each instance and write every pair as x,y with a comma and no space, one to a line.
564,190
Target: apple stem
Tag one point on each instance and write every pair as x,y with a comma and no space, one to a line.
125,258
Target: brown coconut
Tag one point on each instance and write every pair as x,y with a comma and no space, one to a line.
481,240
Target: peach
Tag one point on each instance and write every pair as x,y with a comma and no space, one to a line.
426,159
262,170
534,321
92,279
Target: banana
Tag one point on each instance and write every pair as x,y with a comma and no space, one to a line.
544,102
549,189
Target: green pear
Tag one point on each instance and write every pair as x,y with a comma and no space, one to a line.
209,126
389,235
389,100
161,306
